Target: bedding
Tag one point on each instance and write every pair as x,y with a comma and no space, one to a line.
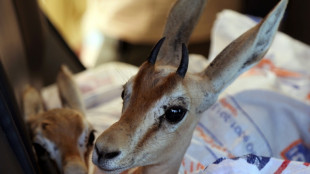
261,122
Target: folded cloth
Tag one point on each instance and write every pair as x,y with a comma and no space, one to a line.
256,165
265,112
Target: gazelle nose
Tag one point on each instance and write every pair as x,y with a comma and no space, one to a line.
106,155
111,155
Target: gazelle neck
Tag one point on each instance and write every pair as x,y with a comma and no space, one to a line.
169,167
163,169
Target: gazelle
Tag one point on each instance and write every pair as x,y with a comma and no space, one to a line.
64,133
162,103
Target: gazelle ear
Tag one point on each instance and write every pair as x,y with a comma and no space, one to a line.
179,26
68,91
32,102
245,51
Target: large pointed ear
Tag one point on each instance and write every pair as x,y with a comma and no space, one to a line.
179,26
245,51
68,91
32,102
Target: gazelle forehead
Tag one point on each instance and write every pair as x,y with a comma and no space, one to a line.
152,75
165,70
64,116
64,123
150,85
155,73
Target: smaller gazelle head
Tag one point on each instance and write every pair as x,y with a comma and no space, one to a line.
64,133
163,103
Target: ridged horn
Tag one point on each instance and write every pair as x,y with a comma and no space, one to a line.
155,51
182,69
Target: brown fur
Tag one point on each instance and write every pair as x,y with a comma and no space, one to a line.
58,125
61,128
148,90
144,136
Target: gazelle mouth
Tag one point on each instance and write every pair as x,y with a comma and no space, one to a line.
116,170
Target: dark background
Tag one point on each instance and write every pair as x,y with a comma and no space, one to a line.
296,22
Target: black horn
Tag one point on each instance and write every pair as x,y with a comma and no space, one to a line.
155,51
182,69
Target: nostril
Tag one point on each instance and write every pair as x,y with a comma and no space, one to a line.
102,155
112,155
97,150
98,153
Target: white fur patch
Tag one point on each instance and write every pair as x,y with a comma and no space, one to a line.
50,147
83,139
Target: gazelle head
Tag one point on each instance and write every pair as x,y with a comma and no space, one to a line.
162,103
64,133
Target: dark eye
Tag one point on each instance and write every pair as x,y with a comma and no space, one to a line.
175,114
123,94
91,138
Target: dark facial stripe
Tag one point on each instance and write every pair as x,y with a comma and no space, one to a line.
145,93
147,135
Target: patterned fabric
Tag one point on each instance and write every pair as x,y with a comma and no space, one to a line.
265,112
256,164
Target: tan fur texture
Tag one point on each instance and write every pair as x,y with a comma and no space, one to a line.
144,137
64,133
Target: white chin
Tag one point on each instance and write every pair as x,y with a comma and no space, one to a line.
113,171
